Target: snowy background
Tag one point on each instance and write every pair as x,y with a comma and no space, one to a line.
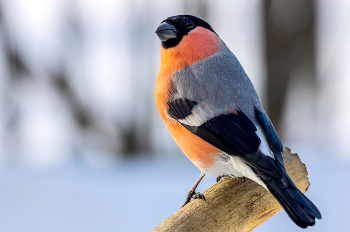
82,147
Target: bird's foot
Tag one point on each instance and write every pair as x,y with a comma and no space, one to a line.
219,177
198,195
194,195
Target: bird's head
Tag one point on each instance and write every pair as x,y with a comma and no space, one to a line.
173,29
188,37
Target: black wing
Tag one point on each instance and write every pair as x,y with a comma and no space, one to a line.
271,136
232,133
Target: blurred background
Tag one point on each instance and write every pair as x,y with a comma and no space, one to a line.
82,147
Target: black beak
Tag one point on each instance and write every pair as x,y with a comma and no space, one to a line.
166,31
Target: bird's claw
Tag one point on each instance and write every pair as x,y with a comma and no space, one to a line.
198,195
193,195
219,177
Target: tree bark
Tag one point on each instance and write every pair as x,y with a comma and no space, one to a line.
234,205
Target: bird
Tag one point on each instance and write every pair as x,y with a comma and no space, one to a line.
211,108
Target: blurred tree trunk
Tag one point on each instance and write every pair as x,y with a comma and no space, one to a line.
136,136
16,71
290,47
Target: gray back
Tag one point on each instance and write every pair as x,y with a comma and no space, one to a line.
219,82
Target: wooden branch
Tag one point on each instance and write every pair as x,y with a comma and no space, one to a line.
233,205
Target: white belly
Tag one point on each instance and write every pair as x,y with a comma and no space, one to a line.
233,166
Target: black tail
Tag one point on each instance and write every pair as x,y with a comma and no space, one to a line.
298,207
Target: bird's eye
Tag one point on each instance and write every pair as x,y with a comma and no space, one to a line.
189,24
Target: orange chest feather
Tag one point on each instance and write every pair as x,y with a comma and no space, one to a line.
201,153
199,44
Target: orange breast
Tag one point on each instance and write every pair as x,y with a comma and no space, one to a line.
199,44
201,153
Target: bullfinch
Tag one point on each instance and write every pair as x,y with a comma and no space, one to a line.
213,112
